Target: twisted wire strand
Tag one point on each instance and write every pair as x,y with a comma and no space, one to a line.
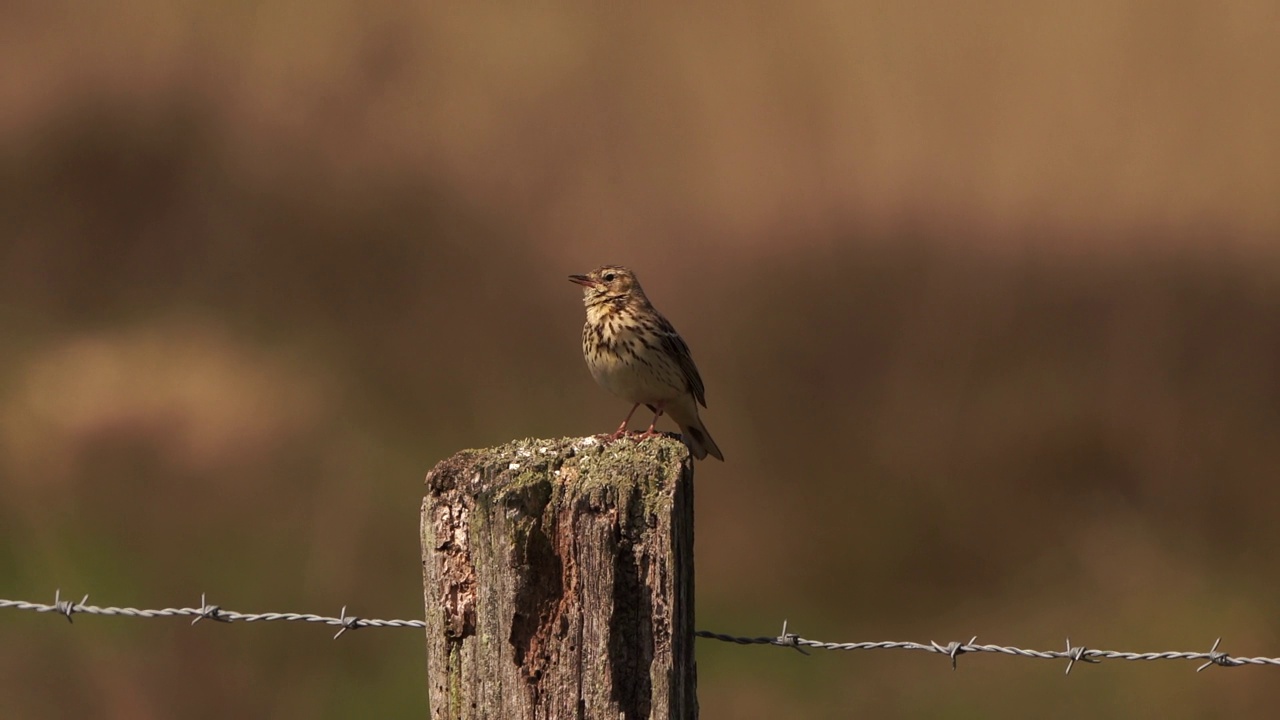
953,650
206,611
1072,654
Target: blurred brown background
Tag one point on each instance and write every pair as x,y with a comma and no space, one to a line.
987,300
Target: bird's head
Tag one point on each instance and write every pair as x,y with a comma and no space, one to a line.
608,283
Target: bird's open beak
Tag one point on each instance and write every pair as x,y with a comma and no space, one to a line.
582,280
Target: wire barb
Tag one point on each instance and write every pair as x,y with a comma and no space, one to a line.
210,612
1077,654
1217,658
67,608
954,649
348,623
790,640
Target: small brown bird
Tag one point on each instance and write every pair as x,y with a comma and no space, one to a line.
634,353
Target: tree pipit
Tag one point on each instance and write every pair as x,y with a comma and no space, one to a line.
634,353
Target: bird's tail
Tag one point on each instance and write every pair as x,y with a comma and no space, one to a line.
695,435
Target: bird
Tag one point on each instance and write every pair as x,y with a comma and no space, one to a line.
633,352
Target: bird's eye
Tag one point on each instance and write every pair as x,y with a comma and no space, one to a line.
608,277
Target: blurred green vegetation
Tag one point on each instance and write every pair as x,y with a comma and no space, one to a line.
987,303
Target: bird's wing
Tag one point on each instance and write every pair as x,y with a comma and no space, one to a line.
674,344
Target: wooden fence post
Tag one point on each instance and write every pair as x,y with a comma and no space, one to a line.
558,578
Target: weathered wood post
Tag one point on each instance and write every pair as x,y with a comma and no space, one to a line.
558,577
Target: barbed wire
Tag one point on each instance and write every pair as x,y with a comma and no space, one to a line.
1072,654
206,611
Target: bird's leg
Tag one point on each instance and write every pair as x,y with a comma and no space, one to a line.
622,429
649,433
